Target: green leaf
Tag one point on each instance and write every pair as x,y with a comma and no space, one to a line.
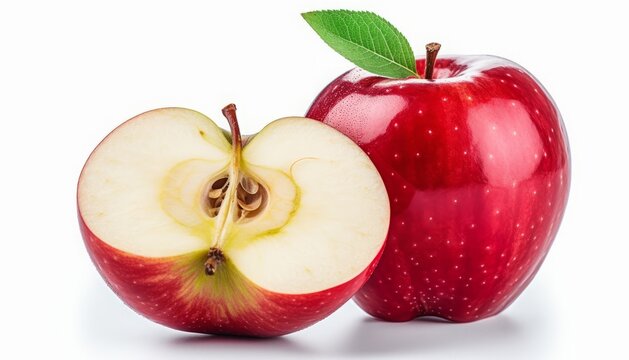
365,39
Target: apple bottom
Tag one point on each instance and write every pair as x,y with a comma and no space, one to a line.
176,292
474,257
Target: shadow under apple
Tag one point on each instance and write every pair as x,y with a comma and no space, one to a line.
225,344
427,335
523,330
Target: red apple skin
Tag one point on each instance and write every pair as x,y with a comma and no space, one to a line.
477,167
159,289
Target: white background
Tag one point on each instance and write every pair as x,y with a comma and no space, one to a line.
71,71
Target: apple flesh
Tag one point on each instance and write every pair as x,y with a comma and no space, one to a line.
477,168
206,235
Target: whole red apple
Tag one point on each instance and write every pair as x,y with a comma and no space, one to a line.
477,168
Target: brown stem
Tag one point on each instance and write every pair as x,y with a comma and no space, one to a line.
229,112
431,56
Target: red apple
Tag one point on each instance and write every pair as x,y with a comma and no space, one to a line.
477,168
259,237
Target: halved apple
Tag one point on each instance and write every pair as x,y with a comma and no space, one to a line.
204,232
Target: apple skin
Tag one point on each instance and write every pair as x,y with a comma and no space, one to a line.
159,289
476,163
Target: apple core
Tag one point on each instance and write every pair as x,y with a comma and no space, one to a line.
234,197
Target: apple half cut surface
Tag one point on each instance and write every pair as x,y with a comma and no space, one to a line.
206,231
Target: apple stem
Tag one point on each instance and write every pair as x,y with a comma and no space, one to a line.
431,56
229,112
